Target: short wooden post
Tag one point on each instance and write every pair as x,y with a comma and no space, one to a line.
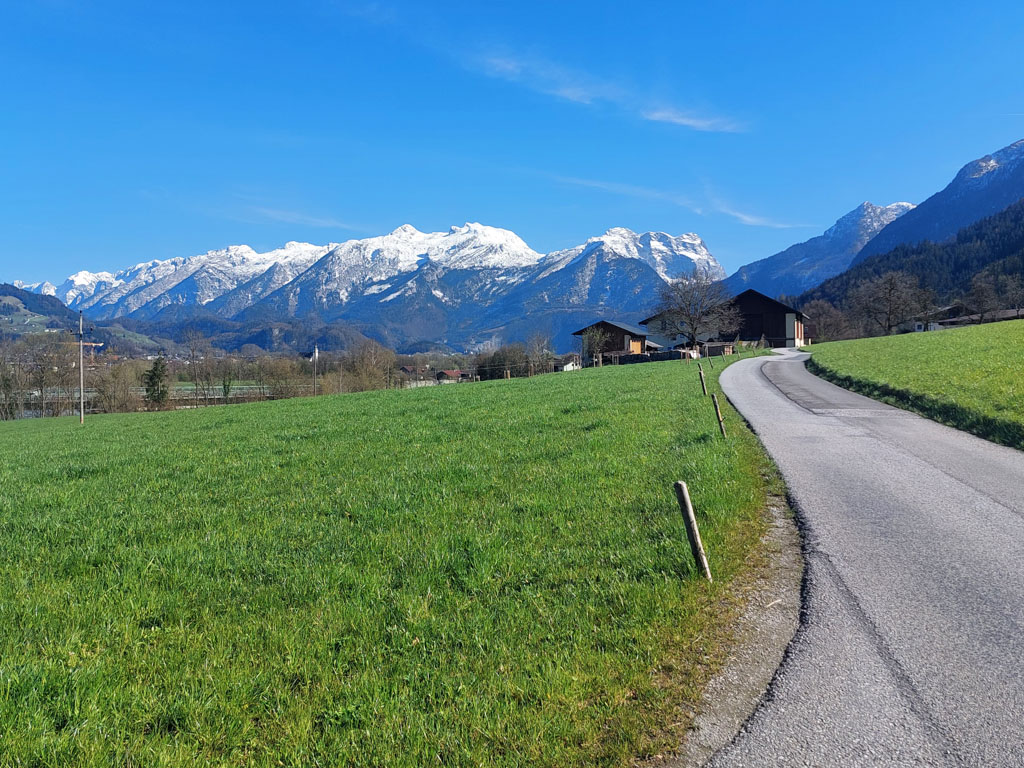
718,413
703,384
711,362
692,533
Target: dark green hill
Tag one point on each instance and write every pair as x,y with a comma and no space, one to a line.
48,307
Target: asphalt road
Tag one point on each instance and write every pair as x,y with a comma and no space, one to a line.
911,644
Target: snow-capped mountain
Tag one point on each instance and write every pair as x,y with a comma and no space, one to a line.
982,188
462,286
669,256
43,289
143,290
806,264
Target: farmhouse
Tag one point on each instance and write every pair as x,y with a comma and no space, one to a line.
452,375
606,336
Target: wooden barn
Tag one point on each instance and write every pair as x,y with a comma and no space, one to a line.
615,338
779,324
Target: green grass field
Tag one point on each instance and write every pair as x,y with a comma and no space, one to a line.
484,574
970,378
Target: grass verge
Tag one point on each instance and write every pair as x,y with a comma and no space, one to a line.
476,574
969,378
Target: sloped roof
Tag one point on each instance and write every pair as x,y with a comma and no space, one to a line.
751,292
664,341
783,307
632,329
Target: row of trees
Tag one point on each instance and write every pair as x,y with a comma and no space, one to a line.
880,305
39,376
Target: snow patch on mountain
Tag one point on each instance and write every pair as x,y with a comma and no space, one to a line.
1005,160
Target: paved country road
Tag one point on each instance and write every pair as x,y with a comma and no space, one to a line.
911,645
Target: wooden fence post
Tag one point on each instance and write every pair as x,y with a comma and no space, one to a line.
692,533
703,385
718,413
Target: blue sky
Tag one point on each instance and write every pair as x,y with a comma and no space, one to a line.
132,131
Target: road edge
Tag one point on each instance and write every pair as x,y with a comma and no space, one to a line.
763,632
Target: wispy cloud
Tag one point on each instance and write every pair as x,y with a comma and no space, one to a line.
712,204
632,190
302,219
549,78
753,220
553,79
536,72
691,120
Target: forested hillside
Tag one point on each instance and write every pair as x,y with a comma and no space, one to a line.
993,246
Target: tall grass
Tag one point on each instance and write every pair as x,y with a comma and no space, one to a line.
970,378
486,574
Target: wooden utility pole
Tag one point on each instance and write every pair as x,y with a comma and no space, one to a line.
692,532
316,355
81,368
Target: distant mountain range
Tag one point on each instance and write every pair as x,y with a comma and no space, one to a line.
806,264
994,245
982,188
471,286
475,285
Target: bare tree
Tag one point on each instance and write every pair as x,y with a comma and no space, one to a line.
538,351
227,373
14,381
371,366
200,365
53,368
284,378
983,297
593,342
1011,289
698,306
829,322
888,300
115,389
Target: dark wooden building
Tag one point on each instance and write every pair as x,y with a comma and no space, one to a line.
780,325
616,338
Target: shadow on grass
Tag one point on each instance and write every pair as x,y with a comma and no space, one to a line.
1000,431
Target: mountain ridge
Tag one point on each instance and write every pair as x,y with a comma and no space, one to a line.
981,188
410,286
803,265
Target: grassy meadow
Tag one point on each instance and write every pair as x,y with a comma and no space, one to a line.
971,378
484,574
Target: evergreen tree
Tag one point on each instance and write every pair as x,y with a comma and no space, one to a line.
155,380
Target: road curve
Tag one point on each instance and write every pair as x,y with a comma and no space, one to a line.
911,644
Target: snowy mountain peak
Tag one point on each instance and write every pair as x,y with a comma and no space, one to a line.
475,245
1007,158
806,264
45,288
865,221
670,256
406,230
